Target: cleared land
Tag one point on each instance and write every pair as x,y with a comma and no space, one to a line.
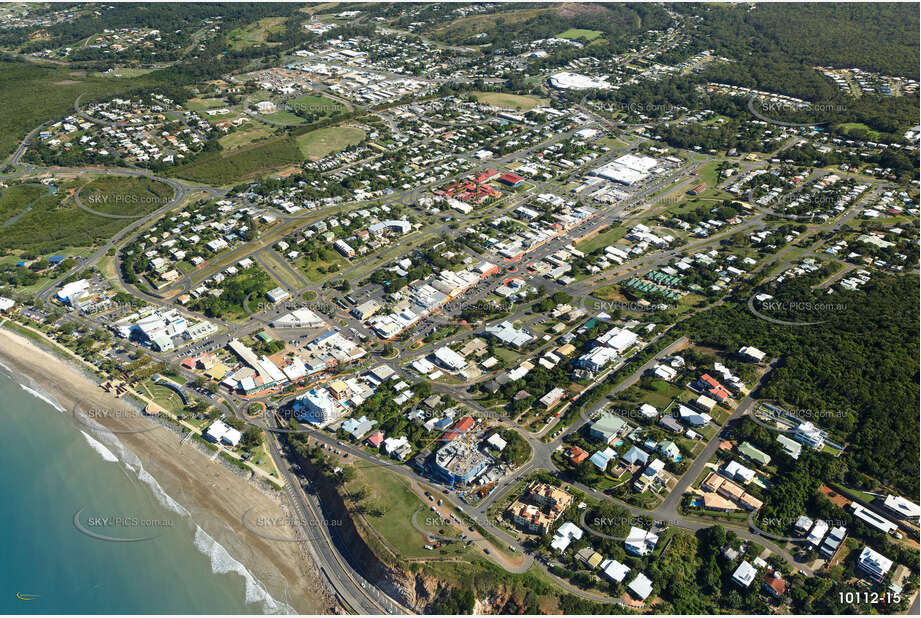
255,33
316,105
317,144
125,195
249,133
222,168
511,101
579,33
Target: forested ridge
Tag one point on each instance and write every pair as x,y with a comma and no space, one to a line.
880,37
857,372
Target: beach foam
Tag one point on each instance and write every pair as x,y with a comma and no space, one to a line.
46,398
223,562
100,448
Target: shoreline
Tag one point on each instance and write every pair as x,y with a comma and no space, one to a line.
279,576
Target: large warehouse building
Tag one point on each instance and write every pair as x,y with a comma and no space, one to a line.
627,170
576,81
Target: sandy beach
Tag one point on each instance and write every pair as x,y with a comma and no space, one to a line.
215,497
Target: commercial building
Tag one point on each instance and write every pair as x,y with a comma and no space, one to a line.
567,80
507,334
317,407
276,295
872,519
458,463
449,359
627,170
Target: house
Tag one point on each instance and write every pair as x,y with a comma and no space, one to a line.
602,458
704,403
398,448
692,417
647,411
790,447
817,533
715,502
774,585
566,534
803,524
607,428
577,455
671,424
874,564
751,354
640,587
552,397
833,541
669,449
649,475
639,542
752,454
736,471
376,439
809,434
589,557
635,455
358,427
745,574
614,571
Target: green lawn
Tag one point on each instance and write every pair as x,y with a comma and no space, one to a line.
283,116
316,271
200,105
255,33
392,494
606,237
320,106
512,101
164,397
277,270
249,133
579,33
317,144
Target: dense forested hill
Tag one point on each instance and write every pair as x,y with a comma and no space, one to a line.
880,37
858,371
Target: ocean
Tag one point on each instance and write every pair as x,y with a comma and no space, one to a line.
84,529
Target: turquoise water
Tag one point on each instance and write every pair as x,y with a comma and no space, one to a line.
51,470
